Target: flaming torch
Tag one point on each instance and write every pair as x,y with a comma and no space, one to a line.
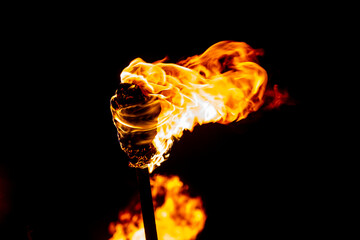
134,114
156,102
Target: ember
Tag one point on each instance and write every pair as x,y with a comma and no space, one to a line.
178,215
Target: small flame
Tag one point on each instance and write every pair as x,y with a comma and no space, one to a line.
178,216
275,98
224,84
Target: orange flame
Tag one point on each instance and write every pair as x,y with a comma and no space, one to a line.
178,216
224,84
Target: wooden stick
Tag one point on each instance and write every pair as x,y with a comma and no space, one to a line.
147,207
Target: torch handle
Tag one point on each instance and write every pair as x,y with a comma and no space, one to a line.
147,207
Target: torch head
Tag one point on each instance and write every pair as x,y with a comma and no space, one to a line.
135,117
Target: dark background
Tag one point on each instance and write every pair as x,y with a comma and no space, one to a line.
65,176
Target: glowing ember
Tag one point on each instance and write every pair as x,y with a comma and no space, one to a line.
178,216
224,84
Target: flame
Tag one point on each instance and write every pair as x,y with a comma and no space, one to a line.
178,216
276,98
224,84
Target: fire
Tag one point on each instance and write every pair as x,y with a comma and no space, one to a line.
224,84
276,98
178,216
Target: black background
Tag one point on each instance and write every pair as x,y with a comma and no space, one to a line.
66,177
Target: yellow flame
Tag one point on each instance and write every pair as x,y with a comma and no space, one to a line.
178,216
224,84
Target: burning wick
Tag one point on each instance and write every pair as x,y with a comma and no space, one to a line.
135,116
156,102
